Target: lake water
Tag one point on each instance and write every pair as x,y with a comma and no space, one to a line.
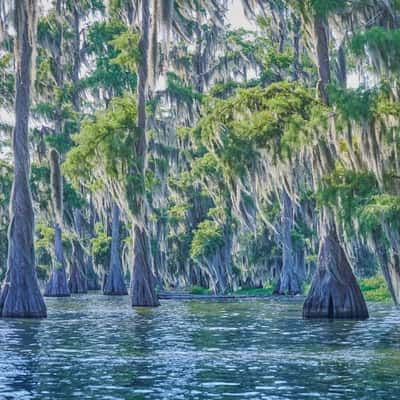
97,347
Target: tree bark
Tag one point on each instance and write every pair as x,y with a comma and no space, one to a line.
93,277
334,291
296,48
341,68
289,282
143,283
77,275
321,33
20,296
114,283
57,286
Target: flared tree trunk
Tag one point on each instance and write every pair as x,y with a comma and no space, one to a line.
289,282
77,274
143,282
390,265
334,291
114,281
20,296
57,286
93,277
93,281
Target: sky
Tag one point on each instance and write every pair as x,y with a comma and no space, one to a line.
236,16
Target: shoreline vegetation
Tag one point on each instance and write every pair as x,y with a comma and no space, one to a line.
373,288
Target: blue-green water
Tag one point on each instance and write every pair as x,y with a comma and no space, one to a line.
96,347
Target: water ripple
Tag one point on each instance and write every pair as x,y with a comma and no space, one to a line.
94,347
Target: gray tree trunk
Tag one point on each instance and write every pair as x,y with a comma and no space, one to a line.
143,291
334,291
57,286
296,48
289,282
93,282
321,33
390,265
143,283
114,281
93,277
20,296
77,275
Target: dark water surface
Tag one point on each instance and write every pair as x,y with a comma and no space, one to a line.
96,347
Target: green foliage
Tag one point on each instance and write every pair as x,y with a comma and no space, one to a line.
199,290
109,73
100,245
180,91
382,43
309,8
267,290
109,134
375,289
6,178
207,238
347,191
128,55
275,119
62,143
381,207
7,80
107,143
45,236
354,104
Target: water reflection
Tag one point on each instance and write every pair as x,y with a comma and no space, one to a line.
94,347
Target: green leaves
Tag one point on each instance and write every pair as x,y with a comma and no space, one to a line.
127,43
115,63
382,44
274,119
319,7
208,237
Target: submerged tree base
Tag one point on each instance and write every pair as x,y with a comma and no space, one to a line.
22,301
143,283
334,291
114,284
57,286
288,285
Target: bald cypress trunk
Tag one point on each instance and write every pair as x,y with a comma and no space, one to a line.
143,282
93,277
321,32
334,291
20,296
57,286
77,273
114,281
289,280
